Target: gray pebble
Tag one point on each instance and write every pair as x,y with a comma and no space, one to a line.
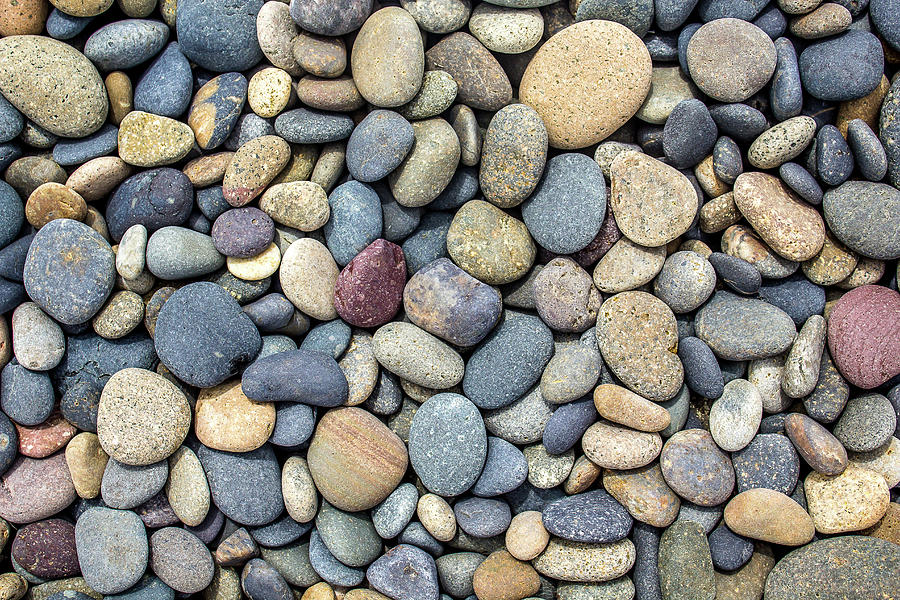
127,486
112,549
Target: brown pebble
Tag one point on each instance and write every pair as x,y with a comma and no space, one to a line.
621,405
121,95
818,447
502,577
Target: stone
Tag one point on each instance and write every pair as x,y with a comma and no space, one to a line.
501,577
417,356
46,549
685,281
86,461
369,290
506,30
53,85
186,488
843,67
112,549
388,75
594,517
328,19
200,26
853,500
627,266
564,296
253,167
513,155
308,273
770,516
216,108
731,326
644,493
696,469
861,215
685,563
404,573
582,562
260,580
575,98
867,422
356,220
180,560
38,342
378,145
427,169
226,419
148,140
245,486
611,446
304,376
126,43
360,475
481,81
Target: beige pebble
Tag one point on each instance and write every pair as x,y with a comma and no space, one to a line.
301,499
121,314
51,201
98,177
853,500
301,205
121,96
269,92
207,170
86,461
187,489
148,140
437,517
526,536
308,274
256,267
225,419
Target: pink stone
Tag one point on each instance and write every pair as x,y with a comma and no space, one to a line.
43,440
864,335
369,290
35,488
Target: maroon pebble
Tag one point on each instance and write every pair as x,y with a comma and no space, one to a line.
35,488
369,290
864,335
157,512
46,549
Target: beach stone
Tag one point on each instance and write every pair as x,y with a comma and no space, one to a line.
179,253
594,517
312,126
513,155
128,486
646,363
844,67
685,562
304,376
427,169
644,493
642,186
685,281
180,560
731,326
793,229
770,516
456,570
369,290
356,220
308,273
482,517
433,300
245,486
417,356
566,426
51,201
580,181
612,446
34,489
46,549
834,160
301,205
447,444
395,512
354,459
781,143
405,572
734,418
768,461
125,44
53,85
867,422
853,500
798,574
702,373
832,264
696,469
388,75
38,342
818,447
882,460
260,581
545,470
148,140
572,372
242,232
300,497
329,19
712,57
69,271
86,461
860,213
225,419
482,83
859,335
437,93
492,259
378,145
689,134
565,297
269,92
321,56
437,517
506,30
112,549
501,576
582,562
201,27
627,266
622,406
164,197
142,418
575,98
742,242
186,488
350,537
253,167
216,108
165,87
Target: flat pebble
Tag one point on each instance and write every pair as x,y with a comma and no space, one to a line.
112,549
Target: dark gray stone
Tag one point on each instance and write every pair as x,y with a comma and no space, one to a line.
428,242
311,126
165,87
671,14
505,469
865,216
646,568
636,16
593,517
12,213
155,198
378,145
736,273
294,424
772,21
689,134
125,44
740,121
746,10
729,550
303,376
834,161
25,396
280,532
727,161
885,16
245,486
331,338
330,17
801,181
796,295
567,424
243,232
867,150
68,153
219,35
328,567
843,67
355,220
743,328
482,517
786,93
768,461
702,373
260,581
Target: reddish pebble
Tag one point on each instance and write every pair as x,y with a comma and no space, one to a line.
34,489
369,290
46,549
864,335
43,440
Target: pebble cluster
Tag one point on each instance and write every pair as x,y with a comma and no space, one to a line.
440,299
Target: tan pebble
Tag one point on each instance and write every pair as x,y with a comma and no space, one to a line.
253,167
866,272
828,19
121,314
884,460
719,214
207,170
337,94
275,30
770,516
888,528
584,473
301,205
98,177
329,165
29,172
644,493
23,17
429,166
696,246
834,262
319,591
86,461
782,142
256,267
708,180
502,577
582,562
526,536
308,274
437,517
187,489
319,55
614,447
301,164
360,368
225,419
620,405
669,86
627,266
54,201
121,95
749,581
147,140
866,108
855,499
300,497
269,92
82,8
137,9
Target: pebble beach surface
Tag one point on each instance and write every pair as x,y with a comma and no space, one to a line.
449,299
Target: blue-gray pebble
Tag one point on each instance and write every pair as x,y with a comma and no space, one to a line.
26,396
867,150
405,573
428,242
834,160
786,93
482,517
245,486
729,550
768,461
154,199
63,26
303,376
378,145
801,181
740,121
689,134
261,581
219,35
505,469
11,121
126,44
701,369
591,517
165,87
843,67
355,220
331,338
567,424
311,126
12,214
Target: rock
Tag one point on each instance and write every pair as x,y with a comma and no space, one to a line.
388,75
259,581
148,140
180,560
859,335
329,19
186,489
482,83
501,576
643,186
219,37
821,450
685,564
643,358
203,336
216,108
526,536
69,271
227,420
768,461
689,134
844,67
38,342
506,30
46,549
245,486
369,290
685,281
853,500
781,143
866,423
164,198
447,444
734,418
356,220
304,376
799,573
513,155
308,273
53,85
253,167
378,145
696,469
581,562
242,232
860,213
594,517
575,98
417,356
404,573
613,447
621,406
112,549
769,516
350,537
125,44
165,87
359,475
426,171
731,326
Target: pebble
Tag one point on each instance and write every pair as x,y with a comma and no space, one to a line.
731,326
734,418
506,30
417,356
501,576
388,74
482,83
128,486
369,290
350,537
38,342
253,167
844,67
308,273
685,281
112,549
614,447
46,549
445,438
583,562
148,140
216,108
226,419
378,145
853,500
405,572
355,222
652,202
426,171
594,517
578,114
219,37
165,199
689,134
180,560
696,469
125,44
245,486
866,423
863,224
685,563
259,581
513,155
